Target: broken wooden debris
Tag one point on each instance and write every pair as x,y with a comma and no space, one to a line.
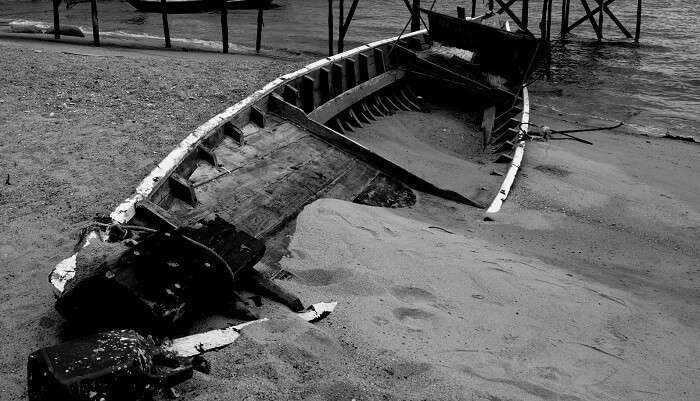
200,343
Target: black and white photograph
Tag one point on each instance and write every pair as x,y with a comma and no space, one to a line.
357,200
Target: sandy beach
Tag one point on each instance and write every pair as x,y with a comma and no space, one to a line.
584,287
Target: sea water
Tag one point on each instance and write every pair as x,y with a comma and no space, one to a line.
653,86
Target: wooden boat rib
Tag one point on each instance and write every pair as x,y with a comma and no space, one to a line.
334,129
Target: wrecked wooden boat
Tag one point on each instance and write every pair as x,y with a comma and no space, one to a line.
436,112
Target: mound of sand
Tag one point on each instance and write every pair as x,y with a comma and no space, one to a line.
425,313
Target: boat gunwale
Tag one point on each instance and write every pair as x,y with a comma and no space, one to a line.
504,191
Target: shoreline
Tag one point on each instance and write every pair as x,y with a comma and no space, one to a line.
618,219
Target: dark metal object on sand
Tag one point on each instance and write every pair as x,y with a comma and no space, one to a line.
116,365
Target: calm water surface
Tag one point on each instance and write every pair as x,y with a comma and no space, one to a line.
654,87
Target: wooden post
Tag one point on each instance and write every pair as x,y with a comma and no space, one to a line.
594,24
639,21
258,36
461,13
95,25
224,26
330,27
600,18
524,14
415,16
543,21
56,23
549,19
166,28
565,6
473,8
341,21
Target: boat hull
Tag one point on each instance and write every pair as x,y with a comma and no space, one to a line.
326,131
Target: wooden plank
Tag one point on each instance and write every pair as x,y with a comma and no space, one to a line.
290,95
296,115
363,61
337,78
150,212
307,93
341,102
182,188
324,85
350,77
257,116
207,154
233,131
379,63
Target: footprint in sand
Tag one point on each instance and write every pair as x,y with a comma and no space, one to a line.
321,277
411,313
410,294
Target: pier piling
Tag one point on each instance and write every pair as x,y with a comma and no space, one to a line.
166,28
258,35
95,23
56,22
224,26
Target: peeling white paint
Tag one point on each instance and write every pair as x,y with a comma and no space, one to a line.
517,159
65,269
199,343
318,311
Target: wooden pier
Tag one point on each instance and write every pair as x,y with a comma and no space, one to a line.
517,10
223,10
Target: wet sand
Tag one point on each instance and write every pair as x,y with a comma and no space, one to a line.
584,287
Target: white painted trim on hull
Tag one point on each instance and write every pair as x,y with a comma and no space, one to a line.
517,159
